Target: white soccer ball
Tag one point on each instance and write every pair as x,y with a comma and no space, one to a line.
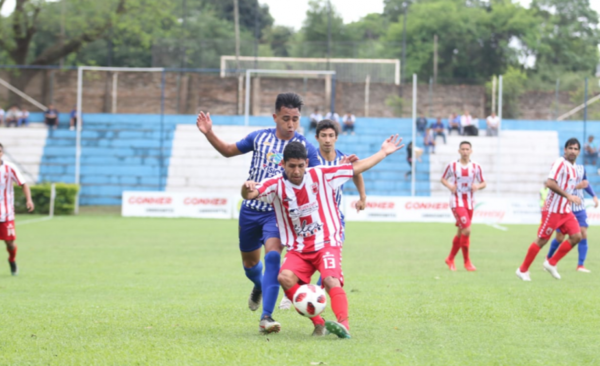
310,300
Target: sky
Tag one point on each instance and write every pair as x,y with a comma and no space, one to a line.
291,13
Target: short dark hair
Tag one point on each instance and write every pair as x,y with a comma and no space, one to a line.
327,124
465,142
288,100
1,146
294,150
573,141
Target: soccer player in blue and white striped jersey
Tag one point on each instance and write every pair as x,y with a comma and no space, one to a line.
581,215
257,222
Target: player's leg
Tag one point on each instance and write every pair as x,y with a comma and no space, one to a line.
559,238
8,234
294,272
250,234
329,263
583,248
545,232
455,243
273,248
569,226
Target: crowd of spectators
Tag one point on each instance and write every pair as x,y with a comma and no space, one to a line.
347,121
14,116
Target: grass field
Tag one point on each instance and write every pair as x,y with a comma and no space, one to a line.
106,290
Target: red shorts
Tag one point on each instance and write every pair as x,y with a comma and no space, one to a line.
567,223
327,261
7,230
463,217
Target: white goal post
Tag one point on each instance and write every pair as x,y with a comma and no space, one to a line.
348,69
80,71
249,73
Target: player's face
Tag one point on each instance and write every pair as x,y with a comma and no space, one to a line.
327,138
287,121
465,151
1,153
572,152
294,169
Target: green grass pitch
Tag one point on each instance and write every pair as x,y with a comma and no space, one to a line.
106,290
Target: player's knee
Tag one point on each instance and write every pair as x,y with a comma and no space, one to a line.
286,279
10,244
466,232
331,282
273,258
576,238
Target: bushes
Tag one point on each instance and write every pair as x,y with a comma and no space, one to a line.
64,203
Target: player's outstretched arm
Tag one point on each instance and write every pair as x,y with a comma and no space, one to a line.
554,187
249,190
27,192
389,146
204,124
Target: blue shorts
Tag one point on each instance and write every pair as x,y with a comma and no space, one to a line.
581,217
255,228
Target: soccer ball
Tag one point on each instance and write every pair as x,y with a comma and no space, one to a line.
310,300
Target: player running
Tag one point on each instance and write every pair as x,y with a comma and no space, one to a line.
9,174
327,133
557,212
310,225
257,224
580,215
463,178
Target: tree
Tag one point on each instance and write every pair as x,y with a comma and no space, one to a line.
251,12
569,37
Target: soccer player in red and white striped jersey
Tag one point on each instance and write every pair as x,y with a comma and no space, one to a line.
463,178
310,225
557,212
9,175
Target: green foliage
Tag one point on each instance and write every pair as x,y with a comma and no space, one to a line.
64,202
397,103
514,84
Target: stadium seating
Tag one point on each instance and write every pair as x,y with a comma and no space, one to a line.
25,147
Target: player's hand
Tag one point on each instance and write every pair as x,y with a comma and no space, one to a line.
574,199
361,204
474,187
583,185
452,189
349,159
30,206
250,186
595,202
391,145
204,122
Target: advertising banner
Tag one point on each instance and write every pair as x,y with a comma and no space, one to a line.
177,204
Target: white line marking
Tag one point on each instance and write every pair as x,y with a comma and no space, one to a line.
496,226
33,221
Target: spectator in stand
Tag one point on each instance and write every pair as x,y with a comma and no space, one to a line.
590,154
409,157
438,129
51,117
421,124
467,125
12,116
315,118
24,117
429,140
73,119
493,123
1,116
333,116
454,124
348,120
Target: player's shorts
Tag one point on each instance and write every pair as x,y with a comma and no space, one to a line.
7,230
328,261
566,223
463,217
581,217
255,228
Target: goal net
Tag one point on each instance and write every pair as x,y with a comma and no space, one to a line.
386,71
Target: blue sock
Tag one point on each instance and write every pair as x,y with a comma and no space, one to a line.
254,274
269,283
582,247
553,246
319,281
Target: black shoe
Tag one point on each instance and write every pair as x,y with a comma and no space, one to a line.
14,270
254,299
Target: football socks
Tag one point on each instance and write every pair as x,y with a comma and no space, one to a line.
270,285
254,274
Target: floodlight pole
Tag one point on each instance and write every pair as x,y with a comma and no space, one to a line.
414,138
78,136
